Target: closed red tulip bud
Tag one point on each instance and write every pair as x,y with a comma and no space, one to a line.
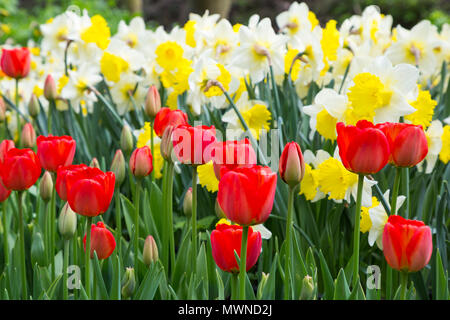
15,63
166,117
141,162
54,151
61,178
2,110
102,241
363,148
233,154
5,146
292,165
187,203
246,194
166,145
194,145
407,142
118,167
20,169
150,253
28,136
226,239
50,89
89,191
407,244
4,193
152,102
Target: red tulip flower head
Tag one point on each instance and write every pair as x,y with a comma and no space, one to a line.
141,162
167,117
363,148
54,151
4,193
292,164
407,142
89,191
20,169
61,178
102,241
246,194
233,154
5,146
15,63
194,145
225,239
407,244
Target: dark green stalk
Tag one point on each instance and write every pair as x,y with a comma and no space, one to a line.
194,218
288,246
22,245
136,223
66,265
356,231
87,257
243,266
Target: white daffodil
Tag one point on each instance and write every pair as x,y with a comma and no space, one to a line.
58,30
134,35
434,137
222,41
296,19
379,217
126,92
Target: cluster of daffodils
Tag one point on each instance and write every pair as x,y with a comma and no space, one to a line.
367,69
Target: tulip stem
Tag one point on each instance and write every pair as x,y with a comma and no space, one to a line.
194,218
87,257
356,231
22,244
53,230
243,266
404,284
66,265
5,234
19,129
118,223
398,174
288,245
234,285
169,207
405,176
152,146
136,223
51,108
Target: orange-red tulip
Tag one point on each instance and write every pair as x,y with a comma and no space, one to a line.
15,63
20,169
292,164
166,117
54,151
5,146
61,178
407,244
141,162
102,241
225,239
194,145
363,148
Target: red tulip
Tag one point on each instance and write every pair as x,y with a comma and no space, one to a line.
54,151
141,162
102,241
5,146
89,191
233,154
61,178
292,165
364,148
246,194
20,169
194,145
407,142
167,117
15,63
407,244
4,193
225,239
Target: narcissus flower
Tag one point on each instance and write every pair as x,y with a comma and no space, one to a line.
226,239
166,117
54,151
102,241
15,63
407,143
89,191
194,145
246,194
61,178
20,169
407,244
141,162
363,148
292,165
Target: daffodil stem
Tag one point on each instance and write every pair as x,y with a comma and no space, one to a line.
22,245
243,266
275,89
288,245
398,174
87,257
194,218
356,231
5,234
66,264
404,284
136,223
118,223
169,204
